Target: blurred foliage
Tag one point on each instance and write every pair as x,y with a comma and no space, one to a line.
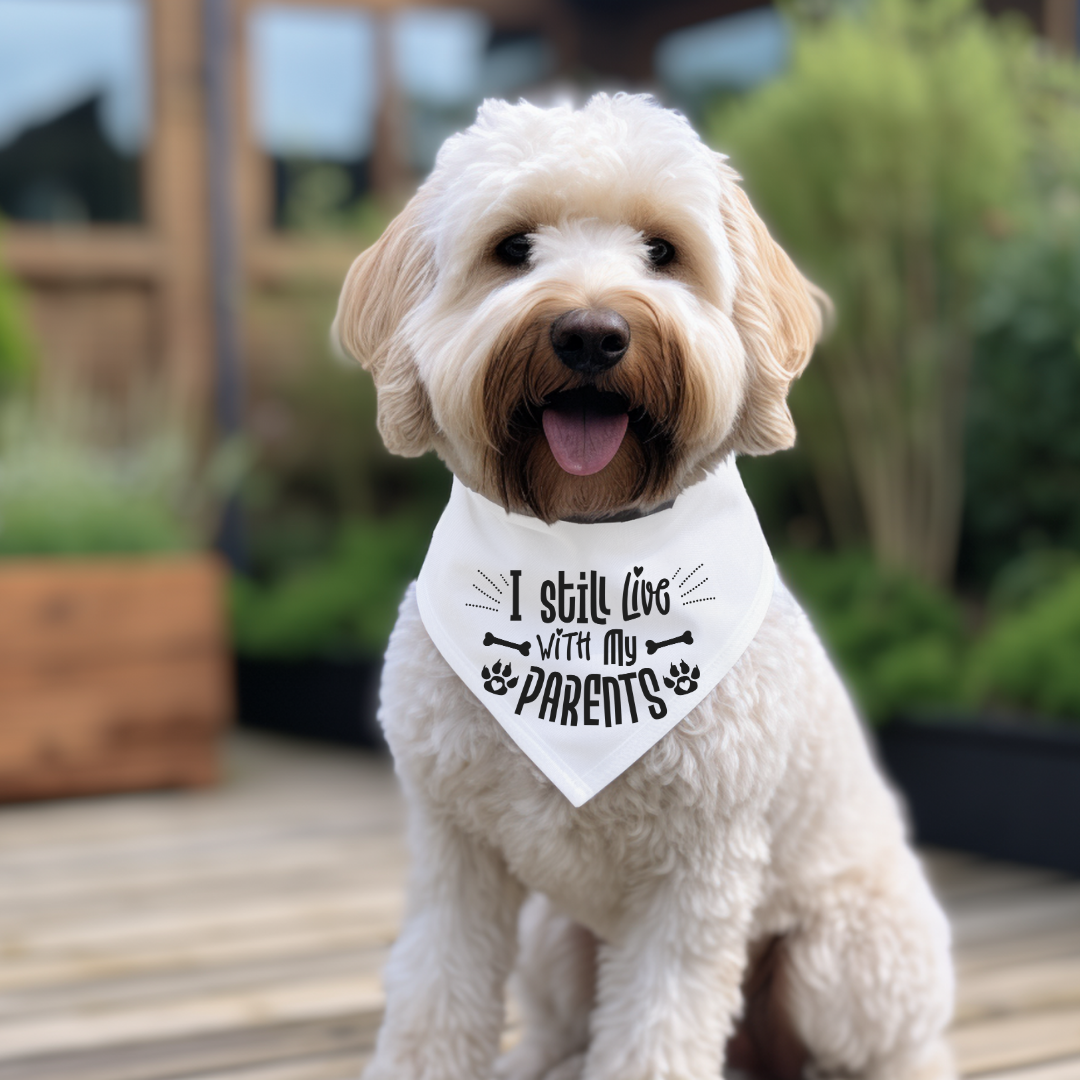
16,349
1028,577
65,489
885,158
1027,661
1023,439
337,526
342,605
319,462
898,642
903,648
319,200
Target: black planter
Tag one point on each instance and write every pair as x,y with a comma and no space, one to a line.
335,700
1006,792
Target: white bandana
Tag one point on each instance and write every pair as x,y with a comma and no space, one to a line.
588,643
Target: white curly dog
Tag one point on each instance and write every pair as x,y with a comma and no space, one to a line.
744,894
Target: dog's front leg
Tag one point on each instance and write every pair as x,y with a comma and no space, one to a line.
445,977
668,992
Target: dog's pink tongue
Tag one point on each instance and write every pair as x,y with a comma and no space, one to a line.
583,440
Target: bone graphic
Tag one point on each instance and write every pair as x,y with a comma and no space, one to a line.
652,646
523,648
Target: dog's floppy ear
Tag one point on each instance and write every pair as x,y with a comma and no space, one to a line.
779,316
384,283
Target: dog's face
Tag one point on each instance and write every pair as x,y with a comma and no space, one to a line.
580,311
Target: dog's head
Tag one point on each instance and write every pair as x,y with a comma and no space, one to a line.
580,311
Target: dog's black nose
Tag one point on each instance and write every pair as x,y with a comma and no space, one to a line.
590,340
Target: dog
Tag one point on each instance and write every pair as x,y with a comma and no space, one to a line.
744,894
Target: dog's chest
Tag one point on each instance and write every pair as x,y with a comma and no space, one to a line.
672,805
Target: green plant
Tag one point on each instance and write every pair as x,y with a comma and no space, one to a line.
885,158
342,605
318,460
63,493
1028,659
16,350
1023,441
899,642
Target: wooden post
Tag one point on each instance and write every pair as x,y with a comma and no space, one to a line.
176,199
221,30
1061,24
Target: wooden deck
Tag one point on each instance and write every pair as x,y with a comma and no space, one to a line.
238,934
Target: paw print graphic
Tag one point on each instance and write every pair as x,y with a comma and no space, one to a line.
497,680
683,680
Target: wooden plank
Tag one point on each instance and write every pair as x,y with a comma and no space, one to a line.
1054,1070
95,253
134,928
972,962
225,975
1019,915
1015,1040
1029,987
334,1067
321,863
346,934
57,612
958,878
350,1035
204,1014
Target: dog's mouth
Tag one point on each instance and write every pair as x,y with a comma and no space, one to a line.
584,428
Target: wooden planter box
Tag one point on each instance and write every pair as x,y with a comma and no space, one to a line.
335,700
1000,790
114,674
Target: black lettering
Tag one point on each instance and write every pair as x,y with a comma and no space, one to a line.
569,704
547,597
545,654
613,647
603,600
631,649
627,612
564,588
591,701
551,696
628,681
646,597
515,606
663,599
584,639
657,706
597,601
614,705
583,608
531,690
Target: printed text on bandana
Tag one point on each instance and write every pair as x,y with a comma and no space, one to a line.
581,618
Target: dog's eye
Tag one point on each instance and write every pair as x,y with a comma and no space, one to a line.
660,251
515,250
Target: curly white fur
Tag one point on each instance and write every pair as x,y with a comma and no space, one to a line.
761,818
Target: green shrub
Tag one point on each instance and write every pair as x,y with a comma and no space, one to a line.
1029,660
883,159
342,605
1023,441
61,493
898,642
16,351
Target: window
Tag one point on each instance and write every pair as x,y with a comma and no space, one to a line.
74,109
347,103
